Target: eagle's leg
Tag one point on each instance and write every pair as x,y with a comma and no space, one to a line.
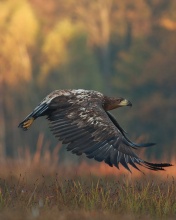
40,110
25,125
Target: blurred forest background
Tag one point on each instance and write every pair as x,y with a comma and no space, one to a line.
121,48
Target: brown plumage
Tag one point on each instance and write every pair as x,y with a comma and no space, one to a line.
80,119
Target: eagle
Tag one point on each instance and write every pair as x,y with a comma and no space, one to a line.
81,119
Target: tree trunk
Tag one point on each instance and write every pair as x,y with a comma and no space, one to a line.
105,68
2,121
104,33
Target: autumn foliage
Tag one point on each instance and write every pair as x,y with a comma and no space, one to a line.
123,48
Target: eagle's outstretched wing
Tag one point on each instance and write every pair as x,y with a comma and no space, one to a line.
86,127
89,129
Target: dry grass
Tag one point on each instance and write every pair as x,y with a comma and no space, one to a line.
40,192
35,187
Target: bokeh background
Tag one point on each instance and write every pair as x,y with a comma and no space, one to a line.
121,48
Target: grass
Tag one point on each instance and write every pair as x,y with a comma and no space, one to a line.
36,187
38,192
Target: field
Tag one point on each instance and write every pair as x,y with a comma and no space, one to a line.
37,190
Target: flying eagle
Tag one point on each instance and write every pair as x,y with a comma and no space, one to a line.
81,119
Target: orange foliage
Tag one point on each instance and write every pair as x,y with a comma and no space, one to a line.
103,169
47,162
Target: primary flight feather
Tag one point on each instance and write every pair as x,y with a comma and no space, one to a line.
81,119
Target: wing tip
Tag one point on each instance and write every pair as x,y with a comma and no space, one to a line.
156,166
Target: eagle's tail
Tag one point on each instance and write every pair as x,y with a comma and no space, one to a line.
38,111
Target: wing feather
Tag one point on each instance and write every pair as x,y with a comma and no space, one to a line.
88,129
129,142
103,154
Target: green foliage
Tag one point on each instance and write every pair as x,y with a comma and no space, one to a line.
81,69
69,62
56,45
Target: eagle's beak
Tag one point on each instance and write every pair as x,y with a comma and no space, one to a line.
125,102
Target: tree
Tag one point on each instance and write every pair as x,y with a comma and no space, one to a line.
18,28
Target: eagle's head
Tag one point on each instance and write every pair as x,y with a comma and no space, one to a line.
112,103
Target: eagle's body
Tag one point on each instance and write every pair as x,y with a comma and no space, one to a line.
80,119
